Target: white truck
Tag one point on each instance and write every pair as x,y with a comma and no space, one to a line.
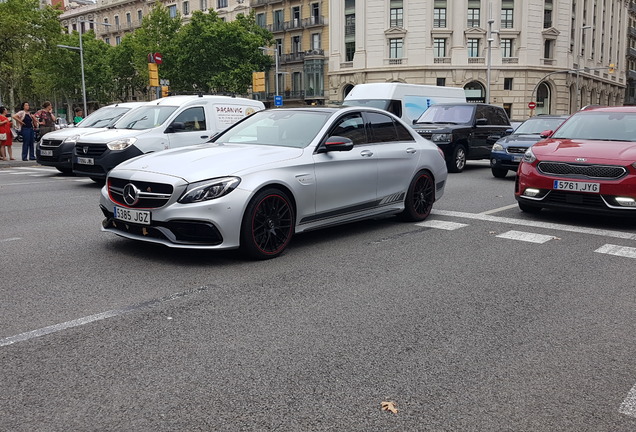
407,101
174,121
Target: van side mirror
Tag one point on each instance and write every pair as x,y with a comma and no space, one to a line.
176,127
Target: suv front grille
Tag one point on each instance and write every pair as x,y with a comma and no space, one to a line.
427,135
151,195
517,150
89,150
574,170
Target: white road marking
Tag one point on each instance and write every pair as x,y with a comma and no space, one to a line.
536,224
497,210
628,407
92,318
441,225
624,251
526,236
10,239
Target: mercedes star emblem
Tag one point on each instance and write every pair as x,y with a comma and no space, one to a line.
131,194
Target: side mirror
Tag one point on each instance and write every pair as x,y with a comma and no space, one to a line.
336,143
176,127
509,131
481,122
546,133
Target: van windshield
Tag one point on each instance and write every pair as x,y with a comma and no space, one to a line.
146,117
103,117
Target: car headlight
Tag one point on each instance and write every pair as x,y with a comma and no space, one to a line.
121,144
497,147
72,139
209,189
528,156
442,137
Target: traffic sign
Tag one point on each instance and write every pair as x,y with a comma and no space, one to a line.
158,58
278,101
532,105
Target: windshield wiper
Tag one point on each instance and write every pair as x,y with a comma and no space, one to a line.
134,122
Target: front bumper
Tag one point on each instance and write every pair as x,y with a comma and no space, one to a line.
504,160
104,160
61,156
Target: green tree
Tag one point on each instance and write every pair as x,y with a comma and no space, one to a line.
28,32
212,55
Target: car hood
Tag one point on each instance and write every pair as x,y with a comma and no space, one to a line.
72,131
204,161
571,150
525,140
108,135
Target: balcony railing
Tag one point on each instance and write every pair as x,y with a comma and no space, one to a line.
442,60
510,60
395,61
631,52
476,60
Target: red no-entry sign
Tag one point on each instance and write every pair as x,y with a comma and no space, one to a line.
158,58
532,105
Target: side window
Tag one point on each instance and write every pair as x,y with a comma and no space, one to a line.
193,119
482,113
395,107
351,126
403,133
501,118
382,127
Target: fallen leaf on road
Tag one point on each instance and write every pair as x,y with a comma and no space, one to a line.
389,406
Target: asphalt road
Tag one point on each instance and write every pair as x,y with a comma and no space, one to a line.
481,318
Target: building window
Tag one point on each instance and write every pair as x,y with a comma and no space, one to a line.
350,49
315,41
439,14
279,47
203,5
278,20
506,47
507,12
315,13
439,47
395,48
140,16
296,46
221,3
107,40
507,83
172,11
128,19
350,25
441,82
474,12
473,47
106,21
396,13
117,21
117,40
547,14
297,84
260,20
186,8
296,16
547,49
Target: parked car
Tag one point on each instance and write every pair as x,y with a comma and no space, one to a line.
463,130
276,173
173,121
508,151
61,123
586,165
56,148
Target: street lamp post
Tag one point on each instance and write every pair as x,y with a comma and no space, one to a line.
489,62
275,50
578,68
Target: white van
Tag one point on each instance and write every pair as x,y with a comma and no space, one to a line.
407,101
174,121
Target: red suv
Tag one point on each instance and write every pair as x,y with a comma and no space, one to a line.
587,165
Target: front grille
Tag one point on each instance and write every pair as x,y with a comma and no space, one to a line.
426,135
517,150
151,195
90,150
576,170
50,143
575,199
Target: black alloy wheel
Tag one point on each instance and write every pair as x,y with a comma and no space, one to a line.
268,225
419,197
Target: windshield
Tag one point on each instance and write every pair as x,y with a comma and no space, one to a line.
536,125
374,103
103,117
599,125
146,117
456,114
278,127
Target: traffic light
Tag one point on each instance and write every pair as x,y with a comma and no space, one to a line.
258,82
611,68
165,91
153,74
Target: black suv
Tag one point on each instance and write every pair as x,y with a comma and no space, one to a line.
463,130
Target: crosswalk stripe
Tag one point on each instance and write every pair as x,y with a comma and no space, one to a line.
624,251
526,236
441,225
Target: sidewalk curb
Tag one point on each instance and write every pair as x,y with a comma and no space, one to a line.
16,149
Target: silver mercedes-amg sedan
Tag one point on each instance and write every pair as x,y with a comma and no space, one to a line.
276,173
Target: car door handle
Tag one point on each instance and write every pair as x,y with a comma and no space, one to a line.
366,153
204,137
411,150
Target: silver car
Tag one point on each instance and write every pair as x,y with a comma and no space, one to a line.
276,173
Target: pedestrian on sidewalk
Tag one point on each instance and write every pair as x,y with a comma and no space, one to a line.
46,118
27,123
6,152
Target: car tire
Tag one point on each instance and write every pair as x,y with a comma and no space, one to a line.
457,162
528,208
420,197
499,172
268,225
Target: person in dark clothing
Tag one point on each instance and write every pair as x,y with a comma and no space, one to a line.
27,123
